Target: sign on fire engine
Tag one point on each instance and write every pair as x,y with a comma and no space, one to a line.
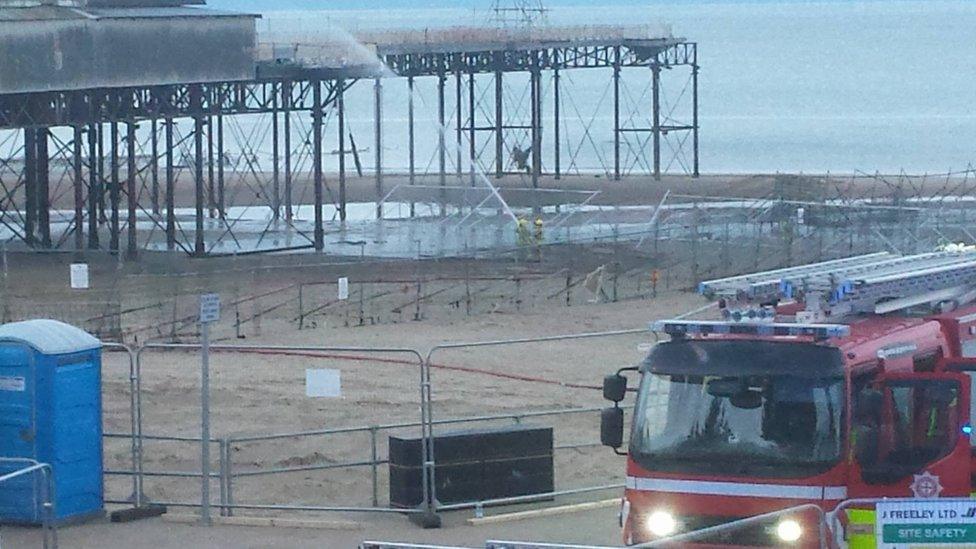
926,523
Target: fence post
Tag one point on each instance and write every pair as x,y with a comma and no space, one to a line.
229,482
569,287
172,326
373,433
362,303
726,253
518,294
136,356
696,219
416,314
301,306
657,236
222,480
134,413
616,274
756,254
256,319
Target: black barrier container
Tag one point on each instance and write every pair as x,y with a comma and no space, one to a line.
475,465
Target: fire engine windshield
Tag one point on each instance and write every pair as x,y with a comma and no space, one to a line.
736,407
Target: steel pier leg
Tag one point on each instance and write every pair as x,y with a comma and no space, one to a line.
102,182
286,104
130,176
694,116
317,162
170,186
211,183
616,114
656,125
378,135
154,167
275,155
499,126
221,195
43,187
459,132
30,185
536,127
441,145
411,139
199,248
93,185
341,107
79,184
115,189
555,124
472,136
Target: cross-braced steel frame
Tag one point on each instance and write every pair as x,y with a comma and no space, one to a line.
464,68
115,170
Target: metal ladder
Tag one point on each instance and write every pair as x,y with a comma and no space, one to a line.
874,283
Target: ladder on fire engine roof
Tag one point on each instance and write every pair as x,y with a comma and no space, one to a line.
875,283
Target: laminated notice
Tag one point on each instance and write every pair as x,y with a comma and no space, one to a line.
13,383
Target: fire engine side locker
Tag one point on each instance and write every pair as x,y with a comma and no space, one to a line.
50,411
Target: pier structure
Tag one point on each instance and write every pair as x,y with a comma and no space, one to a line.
116,133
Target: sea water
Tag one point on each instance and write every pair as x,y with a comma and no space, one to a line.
790,86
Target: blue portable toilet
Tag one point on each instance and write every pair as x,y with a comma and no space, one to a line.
51,411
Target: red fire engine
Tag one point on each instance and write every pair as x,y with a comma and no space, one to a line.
826,382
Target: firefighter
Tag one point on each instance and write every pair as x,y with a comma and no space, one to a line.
537,238
521,158
522,236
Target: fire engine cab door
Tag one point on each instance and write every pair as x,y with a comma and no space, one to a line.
967,367
910,437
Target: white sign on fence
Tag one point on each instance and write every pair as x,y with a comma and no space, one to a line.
926,523
80,279
209,308
344,288
323,383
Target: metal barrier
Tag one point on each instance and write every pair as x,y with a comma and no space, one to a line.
47,496
427,414
138,472
538,545
135,412
228,475
387,545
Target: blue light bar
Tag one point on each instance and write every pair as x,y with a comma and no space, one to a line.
682,328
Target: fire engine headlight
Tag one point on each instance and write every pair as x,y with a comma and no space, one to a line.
789,530
661,524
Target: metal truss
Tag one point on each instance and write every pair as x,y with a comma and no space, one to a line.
628,53
77,108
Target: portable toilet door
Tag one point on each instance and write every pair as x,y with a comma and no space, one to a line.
50,411
17,433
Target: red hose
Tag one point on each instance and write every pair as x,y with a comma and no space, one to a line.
362,358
